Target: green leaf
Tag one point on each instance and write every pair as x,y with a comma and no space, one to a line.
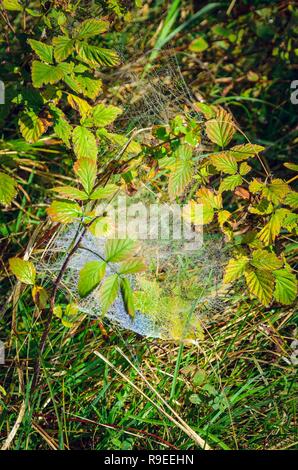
272,229
105,115
63,47
44,51
84,143
7,188
127,296
90,87
285,286
23,270
198,45
31,126
90,276
95,55
221,129
261,284
235,268
63,130
132,265
86,170
64,212
181,172
245,151
79,104
103,193
291,166
263,259
292,199
42,74
90,28
275,191
12,5
230,183
244,168
117,250
108,292
224,162
69,192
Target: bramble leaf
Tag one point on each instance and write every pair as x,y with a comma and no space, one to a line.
108,292
64,212
104,115
86,170
7,188
263,259
221,129
91,27
44,51
235,268
23,270
224,162
117,250
63,47
127,296
261,284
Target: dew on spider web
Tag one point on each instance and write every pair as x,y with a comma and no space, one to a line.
174,283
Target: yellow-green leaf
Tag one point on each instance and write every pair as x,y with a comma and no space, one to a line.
245,151
263,259
285,286
235,268
132,265
230,183
64,212
40,296
260,283
86,170
7,188
63,47
84,143
90,276
117,250
108,292
43,50
23,270
127,296
91,27
104,115
224,162
31,126
292,199
103,193
221,129
69,192
275,191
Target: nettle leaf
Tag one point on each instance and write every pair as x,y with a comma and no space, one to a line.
86,170
263,259
221,129
64,212
117,250
127,296
63,47
260,283
132,265
235,268
272,229
23,270
108,292
44,51
95,55
84,143
104,115
69,192
292,199
285,286
7,188
79,104
31,126
103,193
224,162
90,276
245,151
42,74
275,191
90,28
230,183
